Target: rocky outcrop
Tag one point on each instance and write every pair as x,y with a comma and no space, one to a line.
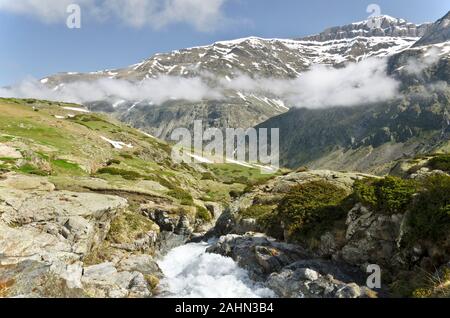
289,270
103,280
332,263
257,253
7,151
53,223
371,238
300,281
375,27
45,236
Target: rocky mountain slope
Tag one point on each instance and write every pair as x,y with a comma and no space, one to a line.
384,26
438,33
228,60
371,137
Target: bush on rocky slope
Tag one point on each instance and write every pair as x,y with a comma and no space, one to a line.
311,208
126,174
430,211
440,162
203,214
390,195
426,200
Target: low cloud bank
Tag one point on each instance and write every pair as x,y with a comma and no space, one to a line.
322,86
157,90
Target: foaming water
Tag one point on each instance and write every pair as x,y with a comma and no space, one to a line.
190,272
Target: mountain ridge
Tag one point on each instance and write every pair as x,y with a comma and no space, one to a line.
377,26
225,61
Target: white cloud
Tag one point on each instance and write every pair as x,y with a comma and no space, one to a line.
322,86
156,90
203,15
416,66
49,11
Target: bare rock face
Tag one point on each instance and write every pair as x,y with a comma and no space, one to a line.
438,32
375,27
370,238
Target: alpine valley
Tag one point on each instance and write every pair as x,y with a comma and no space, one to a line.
92,203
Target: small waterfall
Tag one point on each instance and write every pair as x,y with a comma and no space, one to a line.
190,272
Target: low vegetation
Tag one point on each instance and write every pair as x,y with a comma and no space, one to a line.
33,170
437,286
129,226
427,201
440,162
310,209
126,174
389,195
203,214
184,197
430,211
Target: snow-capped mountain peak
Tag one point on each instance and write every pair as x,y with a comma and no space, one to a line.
379,26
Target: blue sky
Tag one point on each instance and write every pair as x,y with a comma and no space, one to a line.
35,41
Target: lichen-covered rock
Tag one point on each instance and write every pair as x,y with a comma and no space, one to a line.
371,238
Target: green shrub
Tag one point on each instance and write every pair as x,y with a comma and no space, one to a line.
184,197
208,176
203,214
389,195
311,208
266,218
241,180
364,192
430,212
234,194
440,162
126,156
113,162
126,174
256,211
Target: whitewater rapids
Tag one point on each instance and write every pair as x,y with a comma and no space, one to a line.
190,272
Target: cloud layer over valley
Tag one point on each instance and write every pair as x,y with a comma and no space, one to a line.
322,86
